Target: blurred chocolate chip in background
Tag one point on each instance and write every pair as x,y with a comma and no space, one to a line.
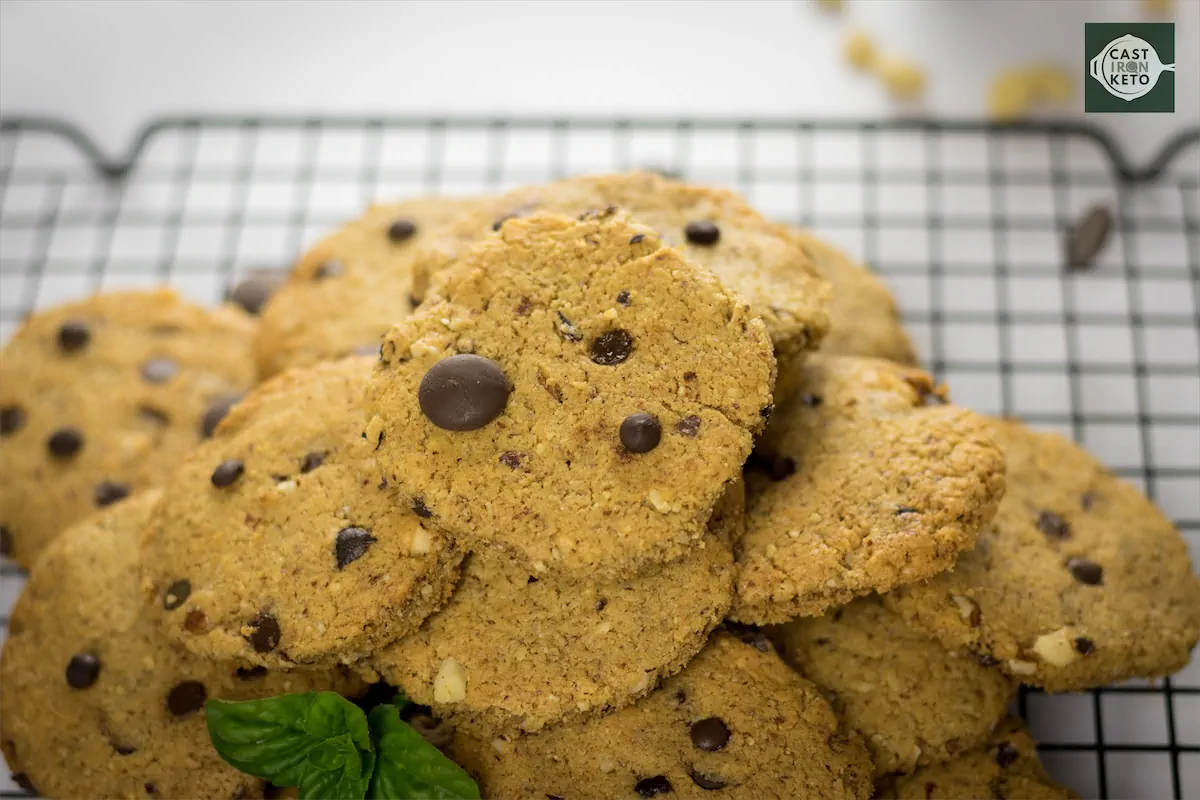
1087,237
258,284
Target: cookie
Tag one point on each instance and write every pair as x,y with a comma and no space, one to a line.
94,702
346,291
865,480
577,395
913,701
1079,581
761,261
1007,766
278,542
737,722
104,396
517,651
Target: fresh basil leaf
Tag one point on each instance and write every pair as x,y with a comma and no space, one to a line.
348,782
333,715
407,766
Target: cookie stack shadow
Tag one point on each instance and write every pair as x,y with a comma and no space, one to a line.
630,491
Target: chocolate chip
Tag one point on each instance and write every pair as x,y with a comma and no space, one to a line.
499,223
637,237
648,787
187,697
750,635
680,696
216,412
402,230
12,419
65,442
108,492
710,734
330,269
531,579
689,376
82,670
414,301
153,415
640,432
706,781
159,370
265,635
1006,755
151,788
689,426
123,749
73,336
511,459
612,347
312,460
1084,646
906,510
702,231
227,472
463,392
1086,239
253,291
1087,501
22,780
623,298
1053,525
524,307
177,594
986,660
250,673
420,509
351,545
601,604
6,541
811,400
766,410
1086,572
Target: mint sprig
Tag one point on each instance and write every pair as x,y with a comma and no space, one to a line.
323,744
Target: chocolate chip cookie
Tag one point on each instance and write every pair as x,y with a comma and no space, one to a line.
913,701
1078,582
94,702
576,395
735,723
864,480
346,291
104,396
1006,766
716,228
279,542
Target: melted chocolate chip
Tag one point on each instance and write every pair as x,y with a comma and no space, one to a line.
12,419
1053,525
82,670
177,594
253,291
227,472
688,426
640,432
649,787
216,412
463,392
159,370
612,347
1006,755
265,634
108,492
1086,572
420,509
312,461
73,336
351,545
186,698
511,459
702,231
706,781
330,269
402,230
623,298
250,673
65,442
710,734
1084,646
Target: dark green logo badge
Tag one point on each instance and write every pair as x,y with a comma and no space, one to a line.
1130,67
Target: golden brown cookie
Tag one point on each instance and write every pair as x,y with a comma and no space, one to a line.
349,288
913,701
94,702
278,542
865,480
102,397
1078,582
737,722
576,395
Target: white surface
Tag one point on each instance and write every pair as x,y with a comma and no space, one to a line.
110,66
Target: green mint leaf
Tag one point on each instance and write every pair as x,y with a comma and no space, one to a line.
408,767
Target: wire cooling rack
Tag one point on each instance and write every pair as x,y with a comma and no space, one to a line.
965,223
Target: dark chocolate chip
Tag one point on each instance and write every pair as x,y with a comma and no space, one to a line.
313,460
623,298
689,376
73,336
463,392
499,223
12,419
1084,646
186,698
689,426
906,510
680,696
1086,238
420,509
710,734
151,788
702,231
216,412
351,545
1053,525
1006,755
555,797
649,787
82,670
177,594
402,230
227,472
766,410
250,673
330,269
706,781
511,459
637,237
6,541
414,301
640,432
65,442
612,347
266,634
601,604
159,370
108,492
123,749
22,780
1086,572
532,579
253,291
1087,501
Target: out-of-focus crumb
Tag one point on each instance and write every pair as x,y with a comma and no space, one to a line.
903,79
1159,8
860,50
1050,84
833,6
1009,97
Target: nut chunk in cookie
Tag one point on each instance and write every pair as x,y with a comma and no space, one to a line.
575,394
1078,582
865,480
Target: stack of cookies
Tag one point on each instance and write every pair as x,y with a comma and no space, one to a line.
630,490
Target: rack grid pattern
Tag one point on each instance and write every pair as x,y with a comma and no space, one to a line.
965,222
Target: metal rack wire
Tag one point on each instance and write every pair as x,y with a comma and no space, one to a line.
963,220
